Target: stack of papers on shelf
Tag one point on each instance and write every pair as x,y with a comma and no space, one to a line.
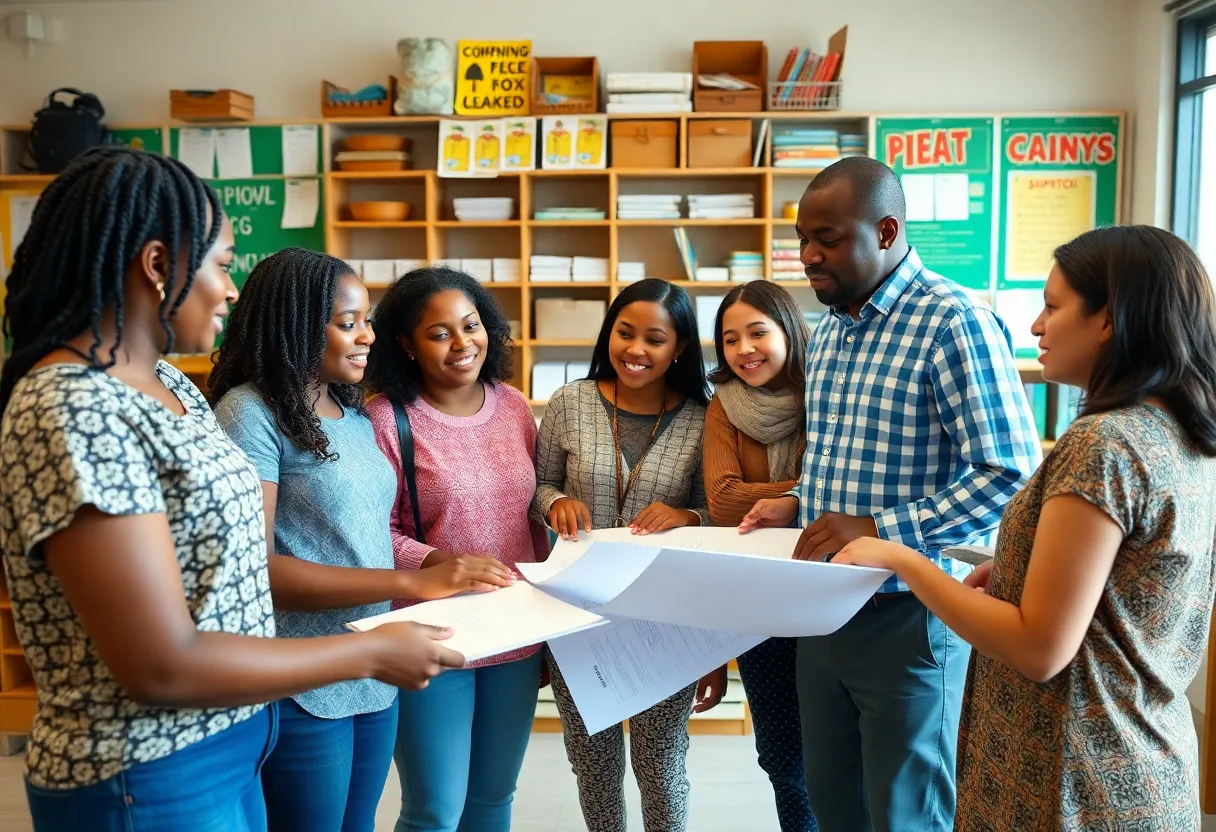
582,214
506,270
482,270
722,81
484,208
630,272
854,144
648,207
721,206
590,270
378,273
649,92
546,268
713,274
787,263
746,265
795,147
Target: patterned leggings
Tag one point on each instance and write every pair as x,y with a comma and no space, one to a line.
768,672
658,746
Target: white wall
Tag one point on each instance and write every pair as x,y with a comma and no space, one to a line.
903,54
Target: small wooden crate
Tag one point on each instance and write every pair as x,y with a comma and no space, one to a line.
369,109
747,60
578,67
210,105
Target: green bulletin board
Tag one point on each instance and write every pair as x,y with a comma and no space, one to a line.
150,139
1059,178
947,169
266,146
255,208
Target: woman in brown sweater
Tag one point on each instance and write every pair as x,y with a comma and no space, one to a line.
755,434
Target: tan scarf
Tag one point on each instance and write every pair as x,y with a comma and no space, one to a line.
774,419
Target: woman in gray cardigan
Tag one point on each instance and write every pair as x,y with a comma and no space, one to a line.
623,448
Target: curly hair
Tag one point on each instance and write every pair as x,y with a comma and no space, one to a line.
389,371
276,340
87,229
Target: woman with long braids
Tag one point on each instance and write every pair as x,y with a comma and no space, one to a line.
288,387
131,527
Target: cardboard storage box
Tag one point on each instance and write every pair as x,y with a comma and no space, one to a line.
720,143
568,319
644,144
747,60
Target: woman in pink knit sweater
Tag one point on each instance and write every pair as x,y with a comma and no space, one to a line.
443,351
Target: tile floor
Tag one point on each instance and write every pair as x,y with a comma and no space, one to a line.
729,792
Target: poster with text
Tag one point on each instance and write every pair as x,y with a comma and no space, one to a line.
1060,178
947,170
493,78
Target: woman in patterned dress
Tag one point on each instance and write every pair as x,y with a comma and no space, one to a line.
1090,622
131,527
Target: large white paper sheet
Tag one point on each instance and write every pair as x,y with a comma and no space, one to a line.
301,200
234,153
744,593
300,150
196,150
625,666
20,214
491,623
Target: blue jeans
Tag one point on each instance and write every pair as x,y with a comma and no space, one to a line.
880,701
460,746
769,677
209,786
326,775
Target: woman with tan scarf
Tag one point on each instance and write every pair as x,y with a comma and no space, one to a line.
755,433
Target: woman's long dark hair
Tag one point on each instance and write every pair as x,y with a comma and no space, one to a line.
778,305
1160,303
686,376
276,340
390,371
88,227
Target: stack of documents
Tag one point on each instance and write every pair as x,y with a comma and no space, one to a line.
482,270
721,206
546,268
590,270
631,620
649,92
570,214
713,274
630,272
648,207
506,270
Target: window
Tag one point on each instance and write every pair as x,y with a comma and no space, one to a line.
1195,151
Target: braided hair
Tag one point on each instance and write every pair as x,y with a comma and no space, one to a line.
276,340
399,313
88,227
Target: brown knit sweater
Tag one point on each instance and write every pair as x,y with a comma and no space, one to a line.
736,469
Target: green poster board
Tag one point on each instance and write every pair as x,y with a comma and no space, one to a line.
1059,178
266,146
947,169
255,208
151,139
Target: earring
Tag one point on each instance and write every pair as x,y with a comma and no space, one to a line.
160,287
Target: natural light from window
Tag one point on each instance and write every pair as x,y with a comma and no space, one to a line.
1205,227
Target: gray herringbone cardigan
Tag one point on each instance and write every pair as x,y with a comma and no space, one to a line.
574,459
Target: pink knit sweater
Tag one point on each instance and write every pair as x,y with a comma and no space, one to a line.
476,477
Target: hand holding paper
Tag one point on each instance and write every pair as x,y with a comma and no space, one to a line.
407,655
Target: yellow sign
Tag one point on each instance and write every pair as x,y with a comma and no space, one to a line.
492,77
1046,209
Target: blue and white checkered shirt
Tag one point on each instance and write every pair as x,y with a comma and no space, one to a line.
917,417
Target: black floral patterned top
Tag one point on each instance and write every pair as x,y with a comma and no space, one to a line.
1109,742
74,436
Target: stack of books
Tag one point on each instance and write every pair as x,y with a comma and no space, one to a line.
713,274
647,207
805,147
854,144
649,92
546,268
630,272
746,265
579,214
721,206
589,270
787,264
482,270
506,270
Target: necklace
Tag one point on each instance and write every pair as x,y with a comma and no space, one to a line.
622,489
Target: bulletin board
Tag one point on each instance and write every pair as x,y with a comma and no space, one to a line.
948,173
266,146
256,209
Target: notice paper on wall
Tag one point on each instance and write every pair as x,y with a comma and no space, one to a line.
234,153
196,150
301,201
20,213
300,150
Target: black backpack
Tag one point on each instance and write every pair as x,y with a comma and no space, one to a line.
62,131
